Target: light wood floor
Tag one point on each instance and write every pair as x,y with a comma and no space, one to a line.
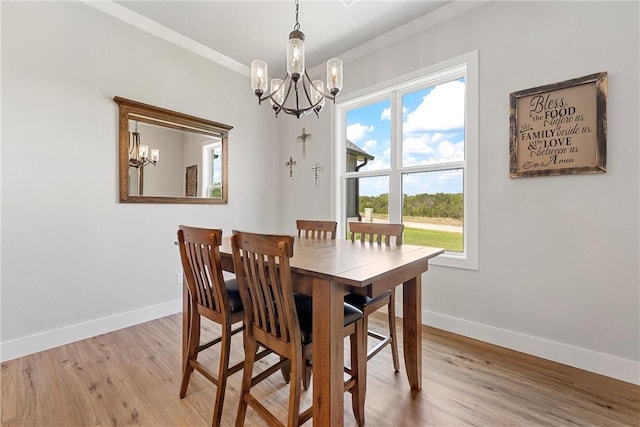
132,377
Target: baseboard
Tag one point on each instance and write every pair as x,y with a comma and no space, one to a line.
600,363
57,337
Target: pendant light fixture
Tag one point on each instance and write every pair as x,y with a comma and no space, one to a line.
307,95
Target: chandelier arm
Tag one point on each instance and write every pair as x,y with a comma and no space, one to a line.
286,95
277,105
271,95
297,111
306,92
134,163
134,149
298,98
324,93
312,106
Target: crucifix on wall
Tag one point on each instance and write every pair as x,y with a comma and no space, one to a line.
315,170
291,163
303,138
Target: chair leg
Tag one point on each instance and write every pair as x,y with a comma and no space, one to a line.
250,348
358,350
365,325
193,342
286,371
297,369
306,377
392,331
223,373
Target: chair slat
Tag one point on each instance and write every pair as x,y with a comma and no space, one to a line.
317,229
376,232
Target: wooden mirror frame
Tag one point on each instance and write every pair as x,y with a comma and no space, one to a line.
133,110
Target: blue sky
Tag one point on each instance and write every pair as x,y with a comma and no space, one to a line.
433,133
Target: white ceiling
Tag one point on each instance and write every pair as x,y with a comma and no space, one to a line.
246,30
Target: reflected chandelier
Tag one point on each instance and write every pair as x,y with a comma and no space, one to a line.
309,95
139,155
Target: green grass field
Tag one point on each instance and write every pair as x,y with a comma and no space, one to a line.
439,239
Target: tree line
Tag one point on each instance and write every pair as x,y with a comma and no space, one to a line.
438,205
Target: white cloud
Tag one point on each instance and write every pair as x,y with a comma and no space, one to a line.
450,151
382,160
442,109
357,131
408,160
431,148
386,114
369,146
377,164
420,145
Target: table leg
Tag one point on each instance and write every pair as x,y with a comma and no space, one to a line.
412,330
328,354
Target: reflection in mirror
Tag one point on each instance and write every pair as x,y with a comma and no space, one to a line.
190,165
169,157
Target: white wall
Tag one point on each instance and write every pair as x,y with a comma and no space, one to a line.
75,262
559,256
302,199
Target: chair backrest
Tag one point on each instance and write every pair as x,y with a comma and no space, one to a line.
316,229
200,255
376,232
261,263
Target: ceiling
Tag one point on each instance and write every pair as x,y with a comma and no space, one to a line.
246,30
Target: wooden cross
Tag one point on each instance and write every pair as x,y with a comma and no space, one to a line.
303,138
315,171
291,163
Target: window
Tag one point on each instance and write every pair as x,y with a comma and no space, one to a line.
212,176
407,152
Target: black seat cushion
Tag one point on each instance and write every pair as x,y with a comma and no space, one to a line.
361,301
304,309
234,295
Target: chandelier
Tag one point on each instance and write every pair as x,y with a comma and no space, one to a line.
309,95
139,155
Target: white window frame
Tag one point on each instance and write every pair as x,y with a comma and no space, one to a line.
207,159
464,65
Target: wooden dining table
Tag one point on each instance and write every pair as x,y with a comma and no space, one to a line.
329,269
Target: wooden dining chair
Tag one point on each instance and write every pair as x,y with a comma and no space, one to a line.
316,228
281,320
378,233
214,299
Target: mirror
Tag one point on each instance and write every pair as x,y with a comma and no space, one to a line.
170,157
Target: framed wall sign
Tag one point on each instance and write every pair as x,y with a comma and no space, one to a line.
559,129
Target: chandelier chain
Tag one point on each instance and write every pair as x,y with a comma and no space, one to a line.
296,27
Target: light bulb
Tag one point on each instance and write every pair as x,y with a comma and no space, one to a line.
334,75
259,76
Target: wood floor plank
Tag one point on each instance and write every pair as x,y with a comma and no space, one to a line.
131,377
